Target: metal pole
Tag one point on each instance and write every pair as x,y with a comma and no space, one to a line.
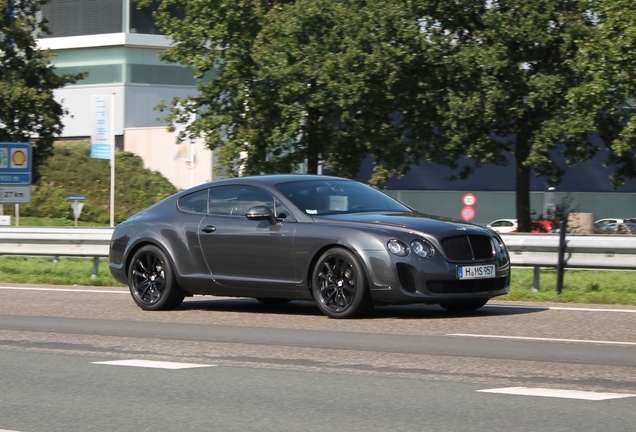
112,160
561,264
95,267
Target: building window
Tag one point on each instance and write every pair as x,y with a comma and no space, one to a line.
83,17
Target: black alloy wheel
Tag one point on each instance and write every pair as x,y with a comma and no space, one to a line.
466,306
151,280
339,285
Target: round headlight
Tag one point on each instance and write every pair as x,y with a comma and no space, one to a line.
398,248
422,248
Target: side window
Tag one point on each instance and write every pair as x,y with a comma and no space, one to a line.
282,212
236,200
196,202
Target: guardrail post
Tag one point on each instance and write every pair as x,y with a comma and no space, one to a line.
561,264
95,267
537,275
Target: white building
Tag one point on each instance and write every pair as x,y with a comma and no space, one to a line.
119,45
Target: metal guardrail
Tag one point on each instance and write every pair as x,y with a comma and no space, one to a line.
55,242
526,250
581,251
605,252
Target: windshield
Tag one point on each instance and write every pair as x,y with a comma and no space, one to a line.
325,197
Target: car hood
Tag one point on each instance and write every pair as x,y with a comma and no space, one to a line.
440,226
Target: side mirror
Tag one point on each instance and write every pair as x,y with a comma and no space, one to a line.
261,213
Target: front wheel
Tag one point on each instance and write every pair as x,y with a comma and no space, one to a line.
151,280
339,285
467,306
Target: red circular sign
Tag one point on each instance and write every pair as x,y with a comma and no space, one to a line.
468,213
469,199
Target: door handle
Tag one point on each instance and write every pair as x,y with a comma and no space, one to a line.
208,229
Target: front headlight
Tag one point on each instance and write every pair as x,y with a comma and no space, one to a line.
422,248
397,247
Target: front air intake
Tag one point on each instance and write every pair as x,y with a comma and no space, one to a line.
468,247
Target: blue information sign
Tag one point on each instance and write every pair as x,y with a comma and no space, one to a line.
15,163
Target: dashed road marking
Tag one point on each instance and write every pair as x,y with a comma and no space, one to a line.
153,364
539,339
65,290
556,393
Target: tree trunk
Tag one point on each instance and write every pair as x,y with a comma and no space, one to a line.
314,138
523,173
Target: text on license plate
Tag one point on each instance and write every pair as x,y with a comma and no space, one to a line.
476,271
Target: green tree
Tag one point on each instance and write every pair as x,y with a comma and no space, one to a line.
281,82
448,81
528,80
27,79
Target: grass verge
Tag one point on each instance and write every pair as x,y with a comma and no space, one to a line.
579,286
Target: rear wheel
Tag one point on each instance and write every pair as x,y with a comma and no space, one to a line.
339,285
151,280
467,306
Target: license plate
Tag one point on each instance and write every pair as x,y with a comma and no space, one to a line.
476,271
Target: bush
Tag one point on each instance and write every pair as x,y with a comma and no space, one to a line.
71,171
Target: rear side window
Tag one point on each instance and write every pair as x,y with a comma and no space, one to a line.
235,200
196,202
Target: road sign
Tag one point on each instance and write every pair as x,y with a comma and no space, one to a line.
15,163
15,194
469,199
468,213
76,198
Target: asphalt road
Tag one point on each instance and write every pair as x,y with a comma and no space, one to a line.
516,367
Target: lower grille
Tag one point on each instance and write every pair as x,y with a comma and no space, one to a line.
407,278
470,286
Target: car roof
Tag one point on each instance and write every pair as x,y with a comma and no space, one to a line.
273,179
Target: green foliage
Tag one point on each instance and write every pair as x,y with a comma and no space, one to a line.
46,270
281,82
27,81
579,286
71,171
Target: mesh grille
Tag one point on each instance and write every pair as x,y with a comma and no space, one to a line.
407,279
471,286
468,247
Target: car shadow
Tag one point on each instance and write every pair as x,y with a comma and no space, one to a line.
309,308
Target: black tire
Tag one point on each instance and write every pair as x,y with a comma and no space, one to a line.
467,306
273,301
151,280
339,285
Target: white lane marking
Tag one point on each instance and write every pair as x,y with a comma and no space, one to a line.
63,290
153,364
578,309
7,430
541,339
556,393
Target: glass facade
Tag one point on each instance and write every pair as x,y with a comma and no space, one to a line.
83,17
90,17
118,64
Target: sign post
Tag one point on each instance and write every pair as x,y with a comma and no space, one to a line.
15,174
468,211
76,205
103,138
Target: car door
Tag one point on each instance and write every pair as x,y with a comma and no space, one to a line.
244,253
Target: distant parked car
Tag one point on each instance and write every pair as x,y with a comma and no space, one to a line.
606,221
504,226
541,226
615,228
